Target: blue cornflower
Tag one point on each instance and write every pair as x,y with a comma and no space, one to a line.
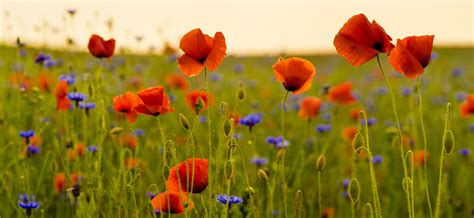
223,199
69,78
465,151
251,120
277,142
321,128
434,56
259,161
22,52
460,96
203,119
215,77
238,68
457,72
49,63
275,212
326,116
237,136
92,149
87,105
139,132
32,149
345,183
76,96
471,127
151,195
371,121
382,90
27,134
40,59
406,91
377,159
28,203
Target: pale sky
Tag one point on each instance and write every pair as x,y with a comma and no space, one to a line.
250,27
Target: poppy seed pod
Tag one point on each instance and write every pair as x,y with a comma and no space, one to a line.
228,169
227,127
354,190
281,154
298,203
262,175
358,142
321,162
116,130
241,92
198,105
448,142
184,122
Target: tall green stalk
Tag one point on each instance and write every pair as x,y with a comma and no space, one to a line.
283,154
447,127
423,131
395,114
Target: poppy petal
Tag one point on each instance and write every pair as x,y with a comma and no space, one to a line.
189,66
195,45
217,53
420,47
404,62
356,54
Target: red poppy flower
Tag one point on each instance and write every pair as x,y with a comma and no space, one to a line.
177,82
467,107
169,202
411,55
358,41
341,94
44,81
350,132
296,74
201,50
309,107
80,149
355,113
100,48
126,104
419,157
59,182
60,91
193,97
197,184
153,101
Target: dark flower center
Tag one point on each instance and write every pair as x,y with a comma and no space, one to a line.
378,46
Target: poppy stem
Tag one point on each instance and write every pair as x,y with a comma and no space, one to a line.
395,114
209,127
283,153
375,192
423,131
440,182
319,193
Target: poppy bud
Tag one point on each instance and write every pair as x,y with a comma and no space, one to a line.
224,108
448,142
367,210
198,105
358,142
241,92
262,175
298,202
91,90
116,130
184,121
281,154
228,169
391,132
406,183
227,127
321,162
354,190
